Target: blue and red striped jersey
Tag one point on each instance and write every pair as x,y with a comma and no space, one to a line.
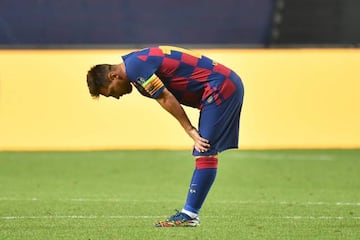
192,78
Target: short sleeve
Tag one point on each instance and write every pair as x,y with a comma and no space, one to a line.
142,74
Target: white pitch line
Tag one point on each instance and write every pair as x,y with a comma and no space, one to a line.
174,200
292,203
158,217
316,217
77,217
86,200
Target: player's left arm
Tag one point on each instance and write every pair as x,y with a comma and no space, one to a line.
167,100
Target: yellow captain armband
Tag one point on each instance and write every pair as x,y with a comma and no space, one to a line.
152,85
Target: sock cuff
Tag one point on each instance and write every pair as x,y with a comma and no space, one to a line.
206,162
190,213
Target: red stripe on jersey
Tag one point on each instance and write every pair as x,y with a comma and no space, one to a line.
200,74
179,83
188,59
219,68
192,99
227,88
217,99
169,66
143,57
156,52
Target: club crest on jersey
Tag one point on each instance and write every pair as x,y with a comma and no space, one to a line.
140,80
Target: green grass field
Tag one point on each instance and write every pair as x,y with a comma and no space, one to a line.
279,194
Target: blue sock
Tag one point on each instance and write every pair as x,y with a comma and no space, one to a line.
201,182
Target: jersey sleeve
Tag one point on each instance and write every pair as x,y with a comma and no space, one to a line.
142,74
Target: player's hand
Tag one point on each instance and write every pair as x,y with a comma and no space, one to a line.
200,144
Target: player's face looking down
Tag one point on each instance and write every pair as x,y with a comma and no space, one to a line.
117,87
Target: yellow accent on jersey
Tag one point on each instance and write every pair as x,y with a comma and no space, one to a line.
168,49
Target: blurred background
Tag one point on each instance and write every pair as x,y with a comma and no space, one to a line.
245,23
299,60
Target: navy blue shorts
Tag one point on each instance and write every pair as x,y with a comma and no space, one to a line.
220,123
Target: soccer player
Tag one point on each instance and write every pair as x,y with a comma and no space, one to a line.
174,76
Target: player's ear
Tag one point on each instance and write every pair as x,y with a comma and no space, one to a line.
112,75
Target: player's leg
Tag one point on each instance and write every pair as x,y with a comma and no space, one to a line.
220,125
203,177
201,182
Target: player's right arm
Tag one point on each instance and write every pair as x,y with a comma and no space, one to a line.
144,77
167,100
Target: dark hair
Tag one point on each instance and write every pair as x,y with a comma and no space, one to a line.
97,78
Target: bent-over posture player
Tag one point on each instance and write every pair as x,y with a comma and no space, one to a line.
174,76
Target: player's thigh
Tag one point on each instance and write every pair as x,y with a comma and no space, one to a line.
215,120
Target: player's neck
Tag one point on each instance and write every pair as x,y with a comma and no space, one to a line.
120,69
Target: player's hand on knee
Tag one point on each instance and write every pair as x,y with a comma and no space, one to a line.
200,144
